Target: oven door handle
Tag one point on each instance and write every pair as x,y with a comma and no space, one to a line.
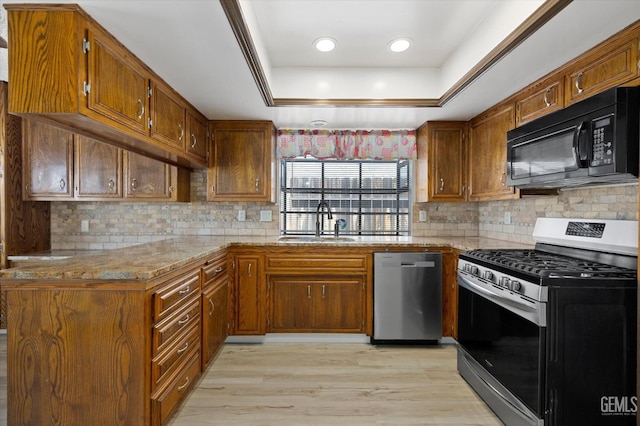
533,313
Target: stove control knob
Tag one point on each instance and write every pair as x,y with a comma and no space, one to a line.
466,267
475,270
487,275
515,285
504,282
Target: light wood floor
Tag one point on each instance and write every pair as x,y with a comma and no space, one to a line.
333,383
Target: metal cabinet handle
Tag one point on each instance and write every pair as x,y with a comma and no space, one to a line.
27,188
546,97
62,184
323,288
170,189
184,321
249,270
308,291
134,184
194,140
578,84
141,110
213,306
184,348
441,184
186,382
111,184
503,179
185,291
181,131
258,185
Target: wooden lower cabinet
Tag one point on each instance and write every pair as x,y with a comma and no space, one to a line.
248,295
316,304
102,353
215,306
450,293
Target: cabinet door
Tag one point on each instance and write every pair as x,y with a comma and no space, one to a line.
146,178
539,100
450,294
610,65
214,319
241,162
292,301
167,118
442,167
338,305
118,87
249,296
488,155
98,169
47,162
198,142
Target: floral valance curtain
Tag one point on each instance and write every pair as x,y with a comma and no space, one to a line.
348,144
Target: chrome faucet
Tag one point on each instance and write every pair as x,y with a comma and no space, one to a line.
329,215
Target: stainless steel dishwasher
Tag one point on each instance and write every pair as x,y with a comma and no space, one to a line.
407,297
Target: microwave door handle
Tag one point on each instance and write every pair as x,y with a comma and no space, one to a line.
580,145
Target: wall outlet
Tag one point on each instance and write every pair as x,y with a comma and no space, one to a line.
84,225
265,216
242,215
507,218
422,217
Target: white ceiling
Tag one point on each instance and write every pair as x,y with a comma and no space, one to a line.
191,45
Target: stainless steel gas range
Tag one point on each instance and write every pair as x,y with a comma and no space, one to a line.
548,336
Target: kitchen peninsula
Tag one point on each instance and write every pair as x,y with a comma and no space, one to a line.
121,336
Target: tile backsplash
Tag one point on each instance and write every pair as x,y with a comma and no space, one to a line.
119,224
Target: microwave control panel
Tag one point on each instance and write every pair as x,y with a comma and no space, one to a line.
602,141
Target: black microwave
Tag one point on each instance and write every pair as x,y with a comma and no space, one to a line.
594,141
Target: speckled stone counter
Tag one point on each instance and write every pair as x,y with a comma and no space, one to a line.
147,261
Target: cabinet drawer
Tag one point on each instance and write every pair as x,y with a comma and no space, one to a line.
175,292
174,325
166,361
214,268
169,397
325,263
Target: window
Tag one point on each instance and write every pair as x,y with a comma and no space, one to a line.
371,196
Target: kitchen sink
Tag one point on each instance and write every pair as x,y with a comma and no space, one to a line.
312,239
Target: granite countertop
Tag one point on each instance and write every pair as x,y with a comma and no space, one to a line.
146,261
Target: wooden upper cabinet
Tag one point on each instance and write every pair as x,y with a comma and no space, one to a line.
47,154
118,87
539,99
98,168
65,67
151,180
242,164
611,64
442,161
167,117
198,140
488,155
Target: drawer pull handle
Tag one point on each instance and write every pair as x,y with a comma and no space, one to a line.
181,387
184,348
578,83
213,307
184,321
218,270
546,97
185,291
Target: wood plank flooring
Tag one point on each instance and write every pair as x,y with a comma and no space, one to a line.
333,383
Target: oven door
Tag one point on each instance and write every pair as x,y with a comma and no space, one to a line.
501,350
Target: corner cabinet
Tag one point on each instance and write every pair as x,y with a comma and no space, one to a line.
66,68
242,164
488,155
149,180
442,161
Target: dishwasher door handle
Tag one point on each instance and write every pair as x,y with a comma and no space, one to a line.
419,264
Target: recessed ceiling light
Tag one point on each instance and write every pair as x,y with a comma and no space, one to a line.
318,123
325,44
399,45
